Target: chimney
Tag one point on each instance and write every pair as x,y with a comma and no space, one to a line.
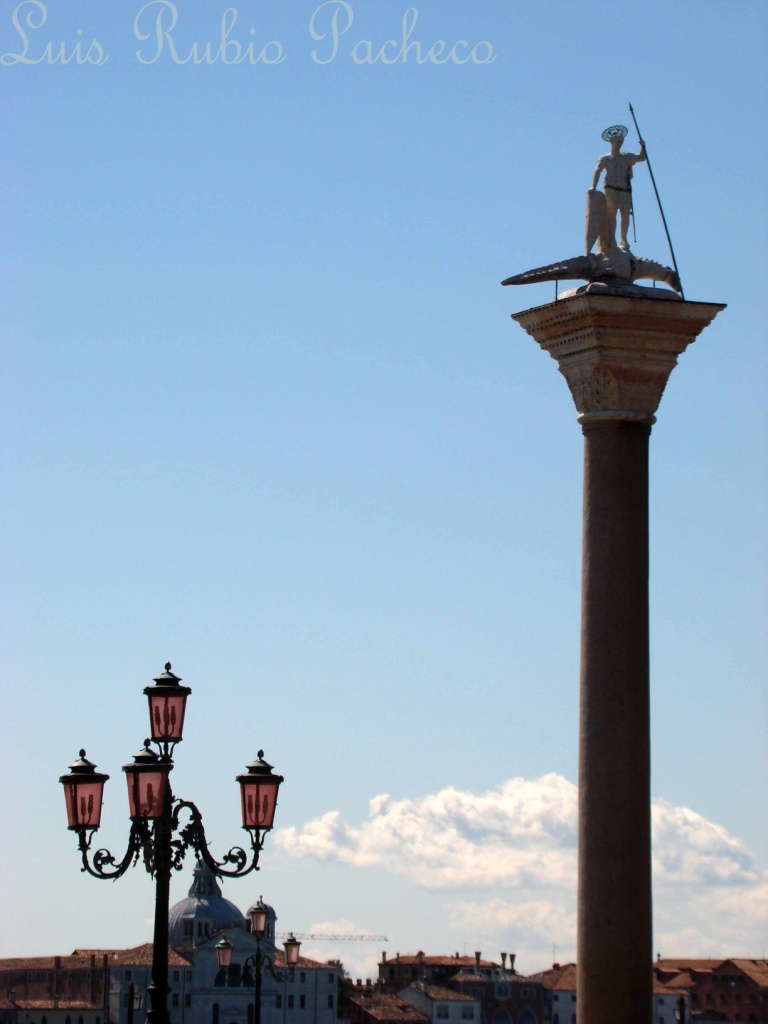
555,967
503,961
383,956
93,959
512,962
420,956
477,960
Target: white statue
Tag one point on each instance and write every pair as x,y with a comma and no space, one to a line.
603,207
613,269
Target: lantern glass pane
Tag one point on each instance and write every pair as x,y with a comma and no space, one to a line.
146,793
224,953
291,952
84,804
166,716
259,799
258,921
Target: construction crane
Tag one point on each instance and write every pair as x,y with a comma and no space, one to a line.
359,937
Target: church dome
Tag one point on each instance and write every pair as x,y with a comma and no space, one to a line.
202,913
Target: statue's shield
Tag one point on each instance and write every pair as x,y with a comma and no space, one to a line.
595,218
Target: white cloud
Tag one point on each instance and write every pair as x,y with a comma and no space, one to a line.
521,834
520,839
535,922
688,848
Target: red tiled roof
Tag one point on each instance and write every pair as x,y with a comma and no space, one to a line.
386,1008
61,1004
757,970
438,992
436,961
43,963
687,963
303,961
477,979
138,956
560,979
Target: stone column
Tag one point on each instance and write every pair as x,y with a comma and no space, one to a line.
616,353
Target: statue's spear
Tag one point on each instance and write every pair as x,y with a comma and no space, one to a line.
658,200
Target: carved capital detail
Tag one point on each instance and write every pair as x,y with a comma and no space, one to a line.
616,352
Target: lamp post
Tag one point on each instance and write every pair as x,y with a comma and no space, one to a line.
163,827
259,961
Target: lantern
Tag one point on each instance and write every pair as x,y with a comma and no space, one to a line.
258,794
83,792
258,916
224,952
167,703
291,947
147,780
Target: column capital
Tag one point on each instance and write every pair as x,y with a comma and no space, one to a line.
616,352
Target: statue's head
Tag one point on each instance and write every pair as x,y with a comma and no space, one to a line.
615,135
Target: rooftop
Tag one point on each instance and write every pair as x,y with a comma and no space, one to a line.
438,992
388,1008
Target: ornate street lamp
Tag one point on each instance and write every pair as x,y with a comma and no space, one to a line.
156,817
259,961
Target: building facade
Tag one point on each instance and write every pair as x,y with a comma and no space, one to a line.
110,986
720,990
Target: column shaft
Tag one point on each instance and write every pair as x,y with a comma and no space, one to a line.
614,900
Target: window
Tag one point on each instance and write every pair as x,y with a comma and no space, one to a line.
175,975
331,979
661,1000
555,997
302,1002
441,1012
250,1013
215,1014
302,977
175,999
278,1002
467,1013
391,973
476,992
501,990
188,975
127,975
290,1002
330,1002
527,993
187,1000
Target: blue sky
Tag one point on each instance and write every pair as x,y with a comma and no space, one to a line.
266,416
